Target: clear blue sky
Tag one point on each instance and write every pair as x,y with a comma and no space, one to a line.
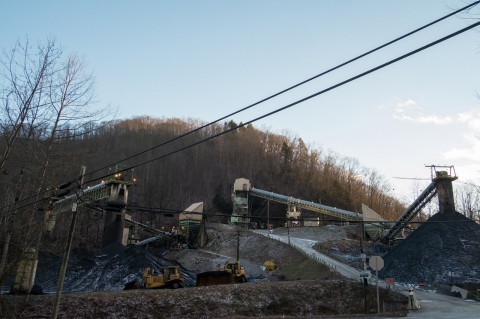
205,59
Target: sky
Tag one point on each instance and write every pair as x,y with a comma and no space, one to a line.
206,59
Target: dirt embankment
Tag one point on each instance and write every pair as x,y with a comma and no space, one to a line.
294,289
255,250
261,299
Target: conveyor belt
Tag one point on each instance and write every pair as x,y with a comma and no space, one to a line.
410,213
327,210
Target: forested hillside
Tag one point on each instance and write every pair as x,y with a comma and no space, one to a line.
279,163
50,126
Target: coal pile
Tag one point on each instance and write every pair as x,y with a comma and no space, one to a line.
448,242
109,270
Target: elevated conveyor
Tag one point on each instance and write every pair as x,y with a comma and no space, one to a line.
410,213
145,229
89,195
299,203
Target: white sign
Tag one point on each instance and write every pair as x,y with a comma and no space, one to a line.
376,263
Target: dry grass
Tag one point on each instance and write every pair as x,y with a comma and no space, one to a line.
289,298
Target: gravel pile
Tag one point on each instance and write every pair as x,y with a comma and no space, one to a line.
109,270
448,242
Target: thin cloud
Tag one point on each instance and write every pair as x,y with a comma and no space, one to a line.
426,119
466,150
407,103
410,110
472,152
401,106
472,118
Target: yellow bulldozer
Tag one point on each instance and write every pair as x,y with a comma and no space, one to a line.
237,271
230,273
171,278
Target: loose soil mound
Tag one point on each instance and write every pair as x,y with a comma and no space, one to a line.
298,298
109,270
446,242
255,250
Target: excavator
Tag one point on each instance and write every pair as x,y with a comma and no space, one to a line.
171,278
230,273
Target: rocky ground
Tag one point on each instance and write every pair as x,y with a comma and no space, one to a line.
255,250
298,299
115,265
298,287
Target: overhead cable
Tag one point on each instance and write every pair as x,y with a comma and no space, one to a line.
270,97
291,87
306,218
304,99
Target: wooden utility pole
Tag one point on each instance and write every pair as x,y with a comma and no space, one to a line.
363,258
66,255
268,214
288,230
238,244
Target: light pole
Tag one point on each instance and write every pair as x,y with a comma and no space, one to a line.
238,244
288,230
268,214
66,255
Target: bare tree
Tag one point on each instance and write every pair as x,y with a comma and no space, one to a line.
467,201
51,100
23,75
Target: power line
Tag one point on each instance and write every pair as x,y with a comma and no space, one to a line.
291,87
467,183
304,99
178,212
279,93
285,90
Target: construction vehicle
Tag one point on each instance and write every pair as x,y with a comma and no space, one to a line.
269,265
171,278
235,269
231,273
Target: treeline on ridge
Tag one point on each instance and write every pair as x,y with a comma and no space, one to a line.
279,163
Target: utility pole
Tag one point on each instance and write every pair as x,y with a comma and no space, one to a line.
288,230
238,244
268,214
363,257
66,255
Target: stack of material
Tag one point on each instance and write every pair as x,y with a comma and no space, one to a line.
447,243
